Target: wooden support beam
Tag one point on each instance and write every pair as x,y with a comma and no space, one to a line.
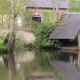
79,40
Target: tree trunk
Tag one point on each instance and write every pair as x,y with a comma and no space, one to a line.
56,5
11,34
2,20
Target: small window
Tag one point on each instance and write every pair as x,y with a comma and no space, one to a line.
36,18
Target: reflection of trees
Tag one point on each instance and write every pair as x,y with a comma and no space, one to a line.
11,65
3,72
13,73
40,63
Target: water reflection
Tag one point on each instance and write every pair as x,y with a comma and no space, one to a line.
79,60
14,65
17,63
66,66
35,63
11,66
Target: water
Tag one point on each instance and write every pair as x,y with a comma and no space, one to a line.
40,65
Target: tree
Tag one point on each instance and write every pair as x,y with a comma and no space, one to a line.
4,9
74,5
55,4
17,8
28,14
11,33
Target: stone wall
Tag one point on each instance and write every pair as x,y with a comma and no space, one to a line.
27,36
23,35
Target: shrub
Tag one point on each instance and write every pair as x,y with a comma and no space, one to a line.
48,17
42,33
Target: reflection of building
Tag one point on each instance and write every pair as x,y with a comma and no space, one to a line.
67,70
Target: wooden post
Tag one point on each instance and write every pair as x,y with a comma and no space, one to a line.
79,60
79,40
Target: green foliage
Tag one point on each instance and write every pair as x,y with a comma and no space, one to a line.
4,6
74,5
19,7
20,43
48,17
3,72
28,19
2,47
1,41
5,11
40,63
28,16
42,33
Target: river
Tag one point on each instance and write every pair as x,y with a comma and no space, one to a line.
40,65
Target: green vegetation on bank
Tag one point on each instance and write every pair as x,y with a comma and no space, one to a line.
20,43
42,32
2,47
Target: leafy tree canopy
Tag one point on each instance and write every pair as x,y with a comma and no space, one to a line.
4,6
74,5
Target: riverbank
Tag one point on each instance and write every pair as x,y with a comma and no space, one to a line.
23,44
2,47
18,44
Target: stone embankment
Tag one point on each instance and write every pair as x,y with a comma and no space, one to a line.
23,35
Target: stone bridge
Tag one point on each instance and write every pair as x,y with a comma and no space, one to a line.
22,35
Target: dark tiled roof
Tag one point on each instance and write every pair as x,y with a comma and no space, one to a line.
69,29
47,4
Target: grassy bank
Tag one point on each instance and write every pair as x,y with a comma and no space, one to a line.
2,47
18,44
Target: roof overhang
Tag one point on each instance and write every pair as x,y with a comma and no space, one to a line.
67,31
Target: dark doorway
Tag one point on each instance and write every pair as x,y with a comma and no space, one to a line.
36,18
